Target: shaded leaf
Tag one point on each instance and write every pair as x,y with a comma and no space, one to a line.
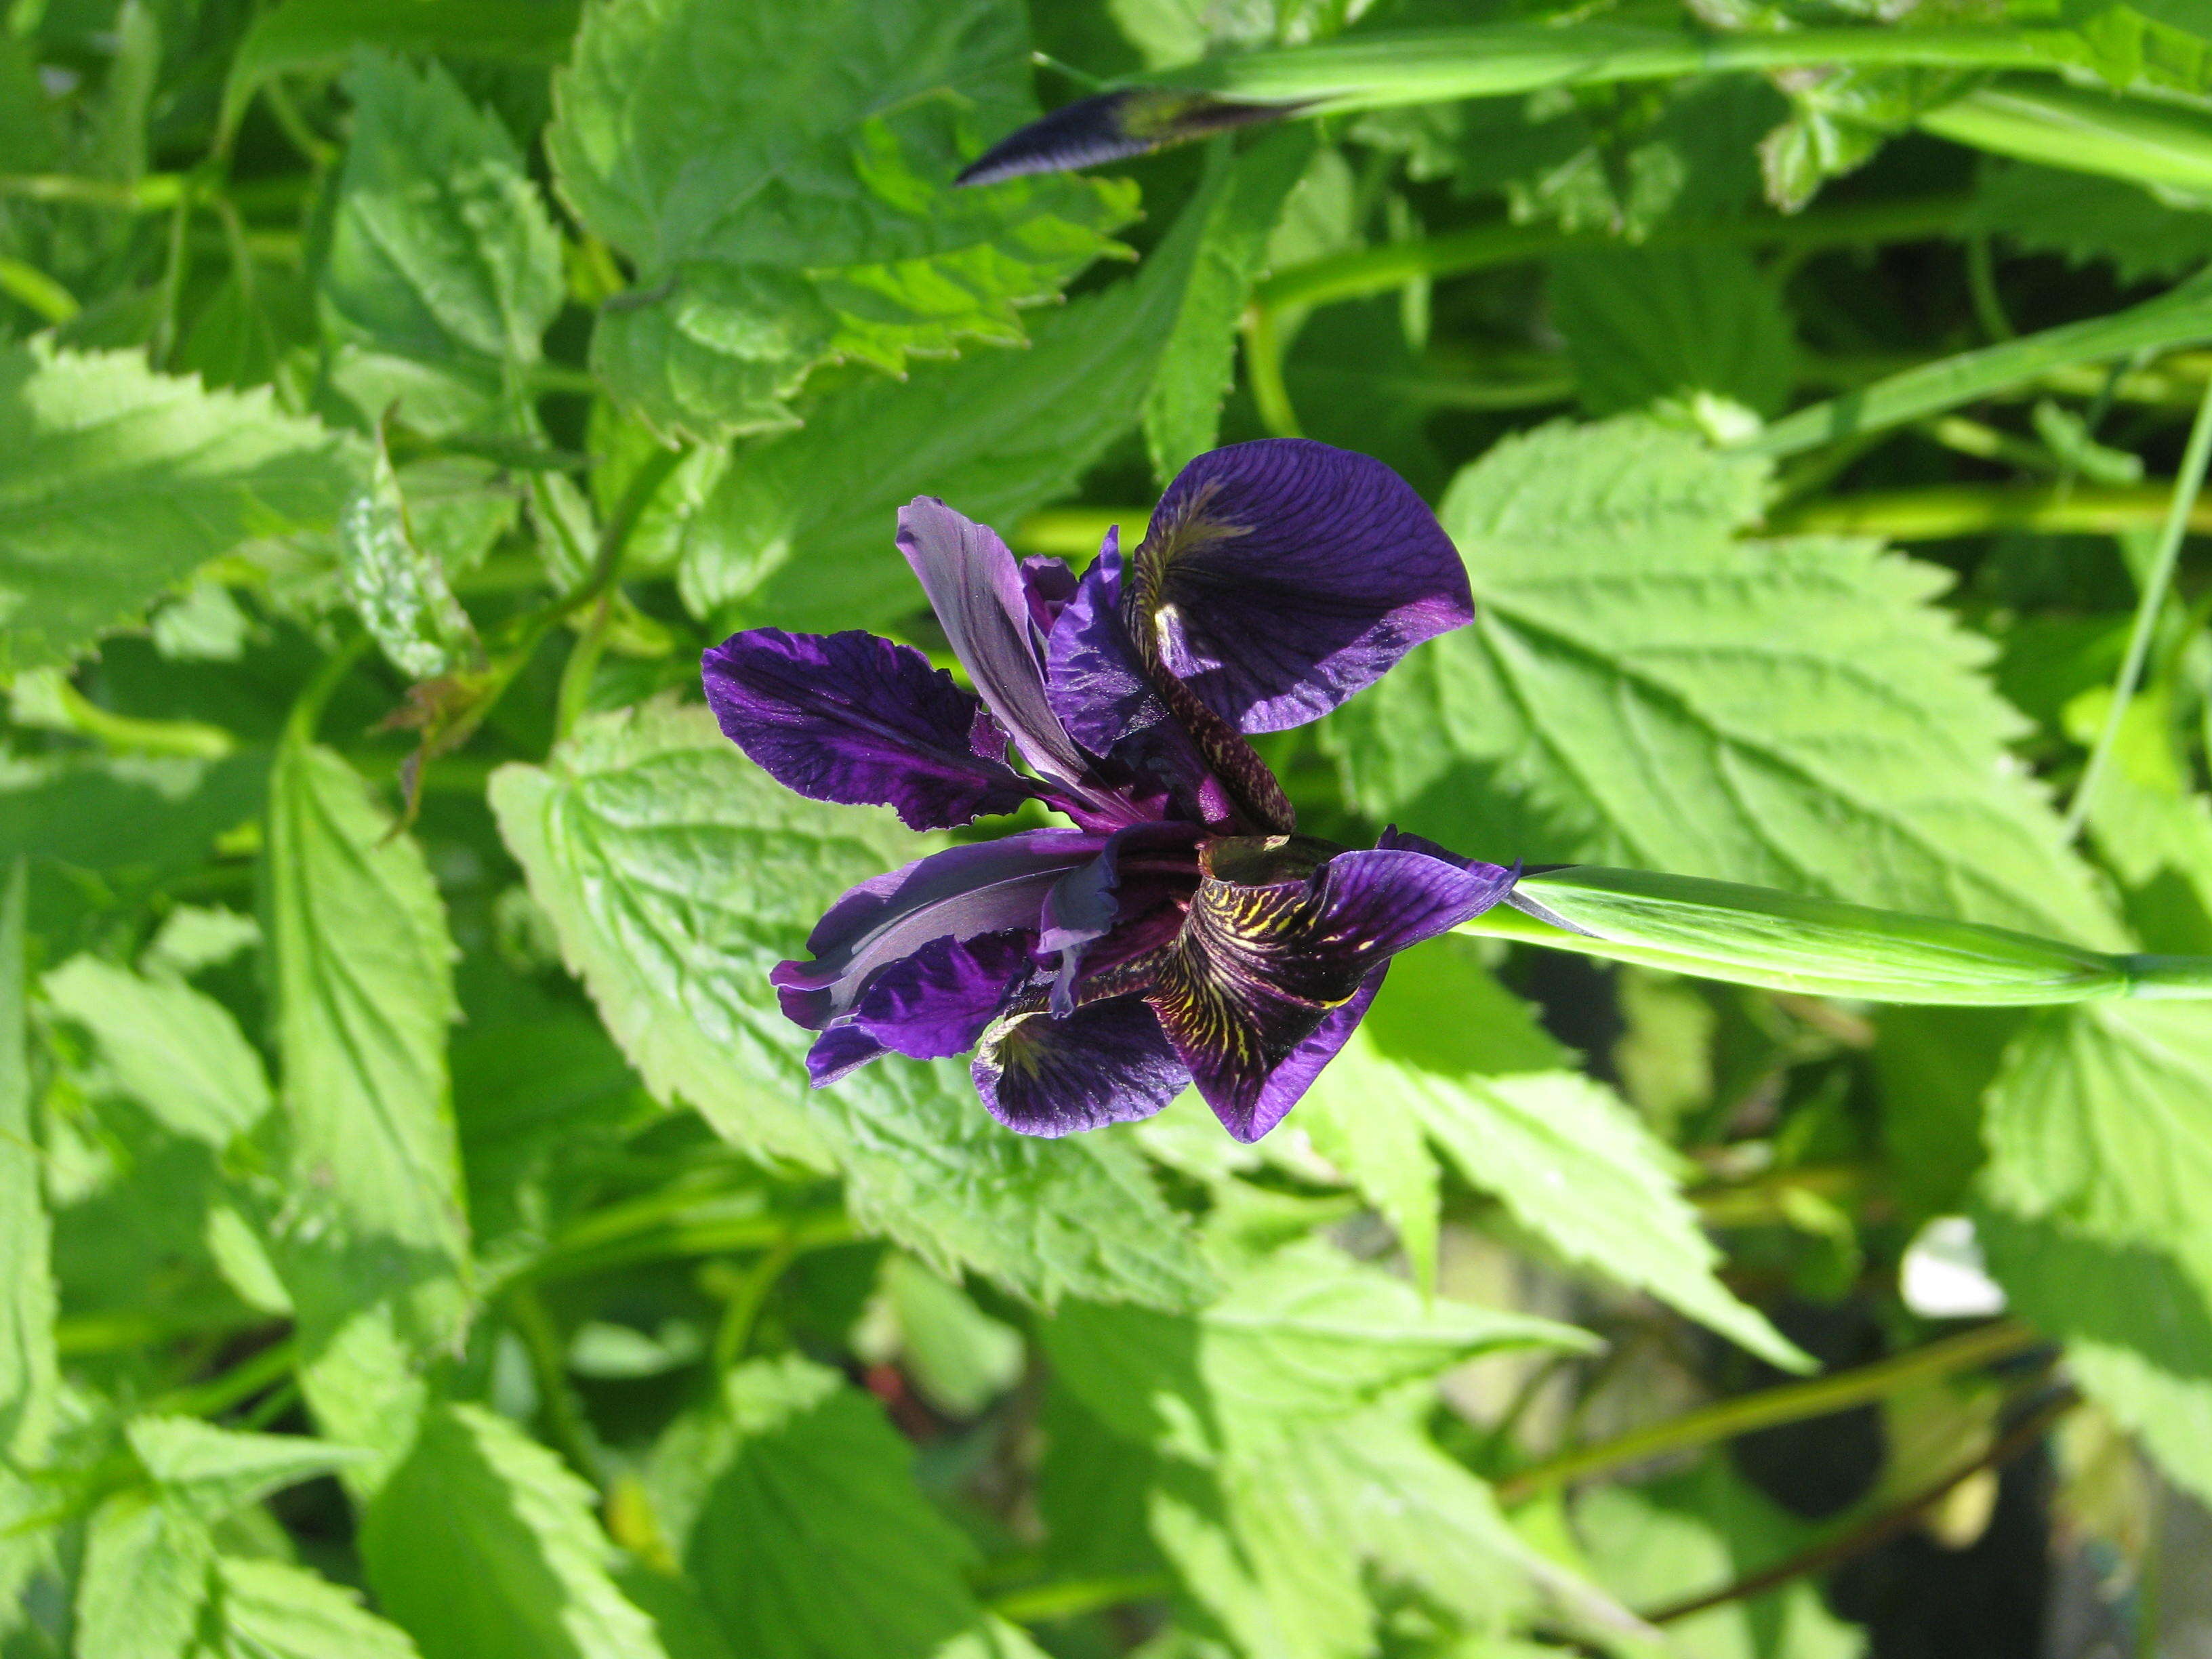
29,1374
1643,323
398,583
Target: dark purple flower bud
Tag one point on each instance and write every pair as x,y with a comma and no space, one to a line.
1112,127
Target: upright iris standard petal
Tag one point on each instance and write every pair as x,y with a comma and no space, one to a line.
984,605
964,891
1105,1063
1115,700
1282,932
1283,575
1086,904
857,719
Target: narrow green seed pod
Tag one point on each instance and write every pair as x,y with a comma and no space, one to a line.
1755,936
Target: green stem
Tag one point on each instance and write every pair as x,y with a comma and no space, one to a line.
154,193
1982,288
576,674
1792,1403
1071,1598
1263,370
680,1238
33,289
307,708
1364,272
271,1365
1950,511
736,1330
1876,1529
2188,484
564,1423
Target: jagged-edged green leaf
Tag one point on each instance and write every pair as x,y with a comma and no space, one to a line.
2086,218
2102,1116
116,483
1640,688
177,1052
792,1504
362,968
959,1357
994,435
1646,322
444,267
398,581
676,874
212,1472
2136,1323
781,176
28,1373
482,1546
1182,411
271,1610
145,1580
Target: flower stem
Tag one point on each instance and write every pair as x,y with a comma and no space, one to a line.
564,1424
736,1330
1948,512
1792,1403
2188,484
1263,369
1880,1528
1070,1598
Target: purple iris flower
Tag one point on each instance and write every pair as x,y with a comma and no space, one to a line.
1180,930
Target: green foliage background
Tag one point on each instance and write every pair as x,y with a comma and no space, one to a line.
415,1235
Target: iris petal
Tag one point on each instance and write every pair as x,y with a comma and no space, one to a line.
964,891
938,1001
1114,703
1289,1081
1105,1063
857,719
1086,904
983,603
1282,932
1283,575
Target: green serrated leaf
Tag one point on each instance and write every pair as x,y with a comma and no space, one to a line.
994,436
29,1367
271,1610
782,178
177,1053
676,874
1643,323
1568,1158
443,260
1641,687
145,1579
212,1472
2086,218
398,582
2136,1323
1182,411
792,1504
2102,1117
482,1546
116,483
377,1238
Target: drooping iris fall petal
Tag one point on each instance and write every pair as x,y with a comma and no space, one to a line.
1281,932
860,720
1105,1063
938,1001
988,887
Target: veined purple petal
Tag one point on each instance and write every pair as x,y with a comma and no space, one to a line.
1049,585
1283,575
1086,904
938,1001
1108,702
860,721
839,1052
1287,1084
1284,931
1105,1063
986,888
980,597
